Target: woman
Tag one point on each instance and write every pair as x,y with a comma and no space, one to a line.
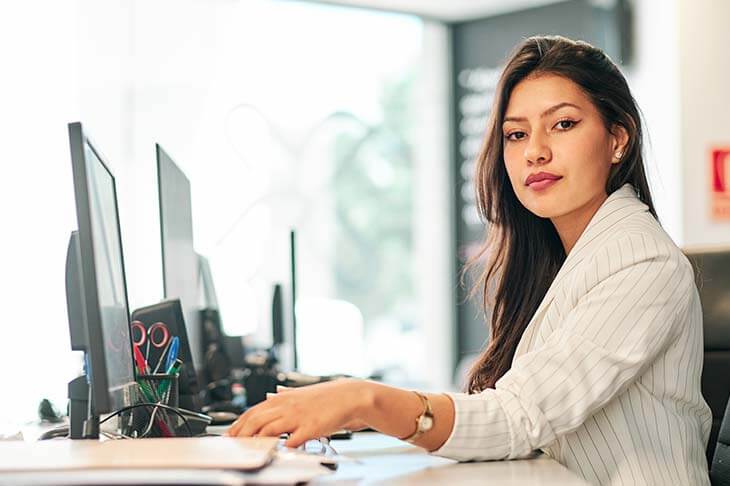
595,353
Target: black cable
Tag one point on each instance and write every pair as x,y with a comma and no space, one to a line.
145,404
62,431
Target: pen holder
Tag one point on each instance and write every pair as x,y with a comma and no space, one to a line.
160,388
149,421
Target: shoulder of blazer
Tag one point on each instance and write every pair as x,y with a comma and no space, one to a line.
620,218
620,214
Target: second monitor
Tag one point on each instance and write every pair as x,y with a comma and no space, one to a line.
180,265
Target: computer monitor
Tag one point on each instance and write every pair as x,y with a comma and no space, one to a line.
293,288
277,317
206,278
180,264
98,301
171,314
283,315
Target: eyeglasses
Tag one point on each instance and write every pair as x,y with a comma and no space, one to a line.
319,447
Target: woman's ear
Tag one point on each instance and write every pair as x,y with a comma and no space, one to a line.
619,142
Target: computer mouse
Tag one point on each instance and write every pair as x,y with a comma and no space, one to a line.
222,418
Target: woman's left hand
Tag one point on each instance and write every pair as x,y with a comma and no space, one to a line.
308,412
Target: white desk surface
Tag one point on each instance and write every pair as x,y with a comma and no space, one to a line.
379,459
384,460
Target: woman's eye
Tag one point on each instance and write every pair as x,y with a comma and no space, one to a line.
565,124
515,136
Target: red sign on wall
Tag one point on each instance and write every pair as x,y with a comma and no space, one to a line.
720,190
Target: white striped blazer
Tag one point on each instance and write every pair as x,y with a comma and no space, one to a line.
606,378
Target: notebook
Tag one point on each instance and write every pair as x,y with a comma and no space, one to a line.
242,454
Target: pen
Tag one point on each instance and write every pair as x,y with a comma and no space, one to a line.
172,355
172,371
148,395
175,367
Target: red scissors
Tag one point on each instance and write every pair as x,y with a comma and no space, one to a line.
157,334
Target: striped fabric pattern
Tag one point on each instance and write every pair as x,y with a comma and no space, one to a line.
606,378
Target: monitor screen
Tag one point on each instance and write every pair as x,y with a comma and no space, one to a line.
102,266
180,267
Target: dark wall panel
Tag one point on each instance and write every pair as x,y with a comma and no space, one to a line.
479,49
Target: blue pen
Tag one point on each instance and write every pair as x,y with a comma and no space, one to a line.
172,355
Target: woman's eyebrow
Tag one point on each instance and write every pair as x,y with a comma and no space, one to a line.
545,113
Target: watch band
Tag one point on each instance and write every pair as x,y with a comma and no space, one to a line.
424,422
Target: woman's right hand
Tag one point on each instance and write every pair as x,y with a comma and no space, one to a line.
354,425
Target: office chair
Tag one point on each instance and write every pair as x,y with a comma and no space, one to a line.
712,275
716,389
720,466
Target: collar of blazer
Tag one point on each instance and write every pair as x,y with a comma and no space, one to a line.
619,205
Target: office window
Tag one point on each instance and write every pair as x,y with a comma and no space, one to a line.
317,136
320,119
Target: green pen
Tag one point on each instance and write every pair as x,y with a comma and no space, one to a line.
172,371
148,394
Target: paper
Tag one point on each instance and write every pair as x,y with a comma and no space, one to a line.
124,477
288,469
175,453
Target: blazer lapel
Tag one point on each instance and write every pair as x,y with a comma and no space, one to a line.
619,205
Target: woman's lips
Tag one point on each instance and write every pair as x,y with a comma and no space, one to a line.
543,184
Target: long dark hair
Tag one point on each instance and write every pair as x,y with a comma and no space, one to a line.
523,252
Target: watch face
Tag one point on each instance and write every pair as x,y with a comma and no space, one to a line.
425,423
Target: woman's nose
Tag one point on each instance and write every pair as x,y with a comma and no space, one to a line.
537,150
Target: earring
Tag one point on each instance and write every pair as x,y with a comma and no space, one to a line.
618,155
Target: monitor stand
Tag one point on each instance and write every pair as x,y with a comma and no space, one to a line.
84,423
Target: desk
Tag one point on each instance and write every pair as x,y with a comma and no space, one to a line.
379,459
385,460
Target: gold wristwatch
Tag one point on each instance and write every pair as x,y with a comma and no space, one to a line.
424,422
